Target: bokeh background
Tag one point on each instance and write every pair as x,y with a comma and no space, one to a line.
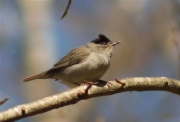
33,38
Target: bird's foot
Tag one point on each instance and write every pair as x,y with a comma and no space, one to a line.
123,84
88,84
85,82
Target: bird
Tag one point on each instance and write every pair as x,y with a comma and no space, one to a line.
84,63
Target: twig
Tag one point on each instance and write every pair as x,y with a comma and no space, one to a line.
67,8
3,101
77,94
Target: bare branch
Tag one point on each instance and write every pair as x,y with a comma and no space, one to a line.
3,101
73,96
67,8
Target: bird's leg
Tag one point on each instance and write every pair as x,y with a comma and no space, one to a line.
123,84
89,83
98,82
82,94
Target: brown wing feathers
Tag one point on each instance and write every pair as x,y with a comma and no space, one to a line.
73,57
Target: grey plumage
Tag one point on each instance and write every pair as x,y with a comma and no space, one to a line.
87,62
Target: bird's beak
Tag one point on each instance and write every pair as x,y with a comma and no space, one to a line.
115,43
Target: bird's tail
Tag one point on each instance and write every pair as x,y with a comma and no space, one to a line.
39,76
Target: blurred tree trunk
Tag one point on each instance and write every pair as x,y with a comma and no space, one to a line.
36,16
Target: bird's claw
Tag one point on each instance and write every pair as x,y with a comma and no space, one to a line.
123,84
88,84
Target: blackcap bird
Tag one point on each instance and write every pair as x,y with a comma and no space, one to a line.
88,63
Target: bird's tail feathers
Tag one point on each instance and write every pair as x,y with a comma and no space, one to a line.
39,76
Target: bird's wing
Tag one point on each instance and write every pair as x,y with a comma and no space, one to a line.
75,56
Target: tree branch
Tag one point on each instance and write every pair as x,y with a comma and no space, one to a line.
73,96
3,101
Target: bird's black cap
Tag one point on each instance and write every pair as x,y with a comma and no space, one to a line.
101,39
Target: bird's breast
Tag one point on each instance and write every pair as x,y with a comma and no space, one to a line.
91,69
98,60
